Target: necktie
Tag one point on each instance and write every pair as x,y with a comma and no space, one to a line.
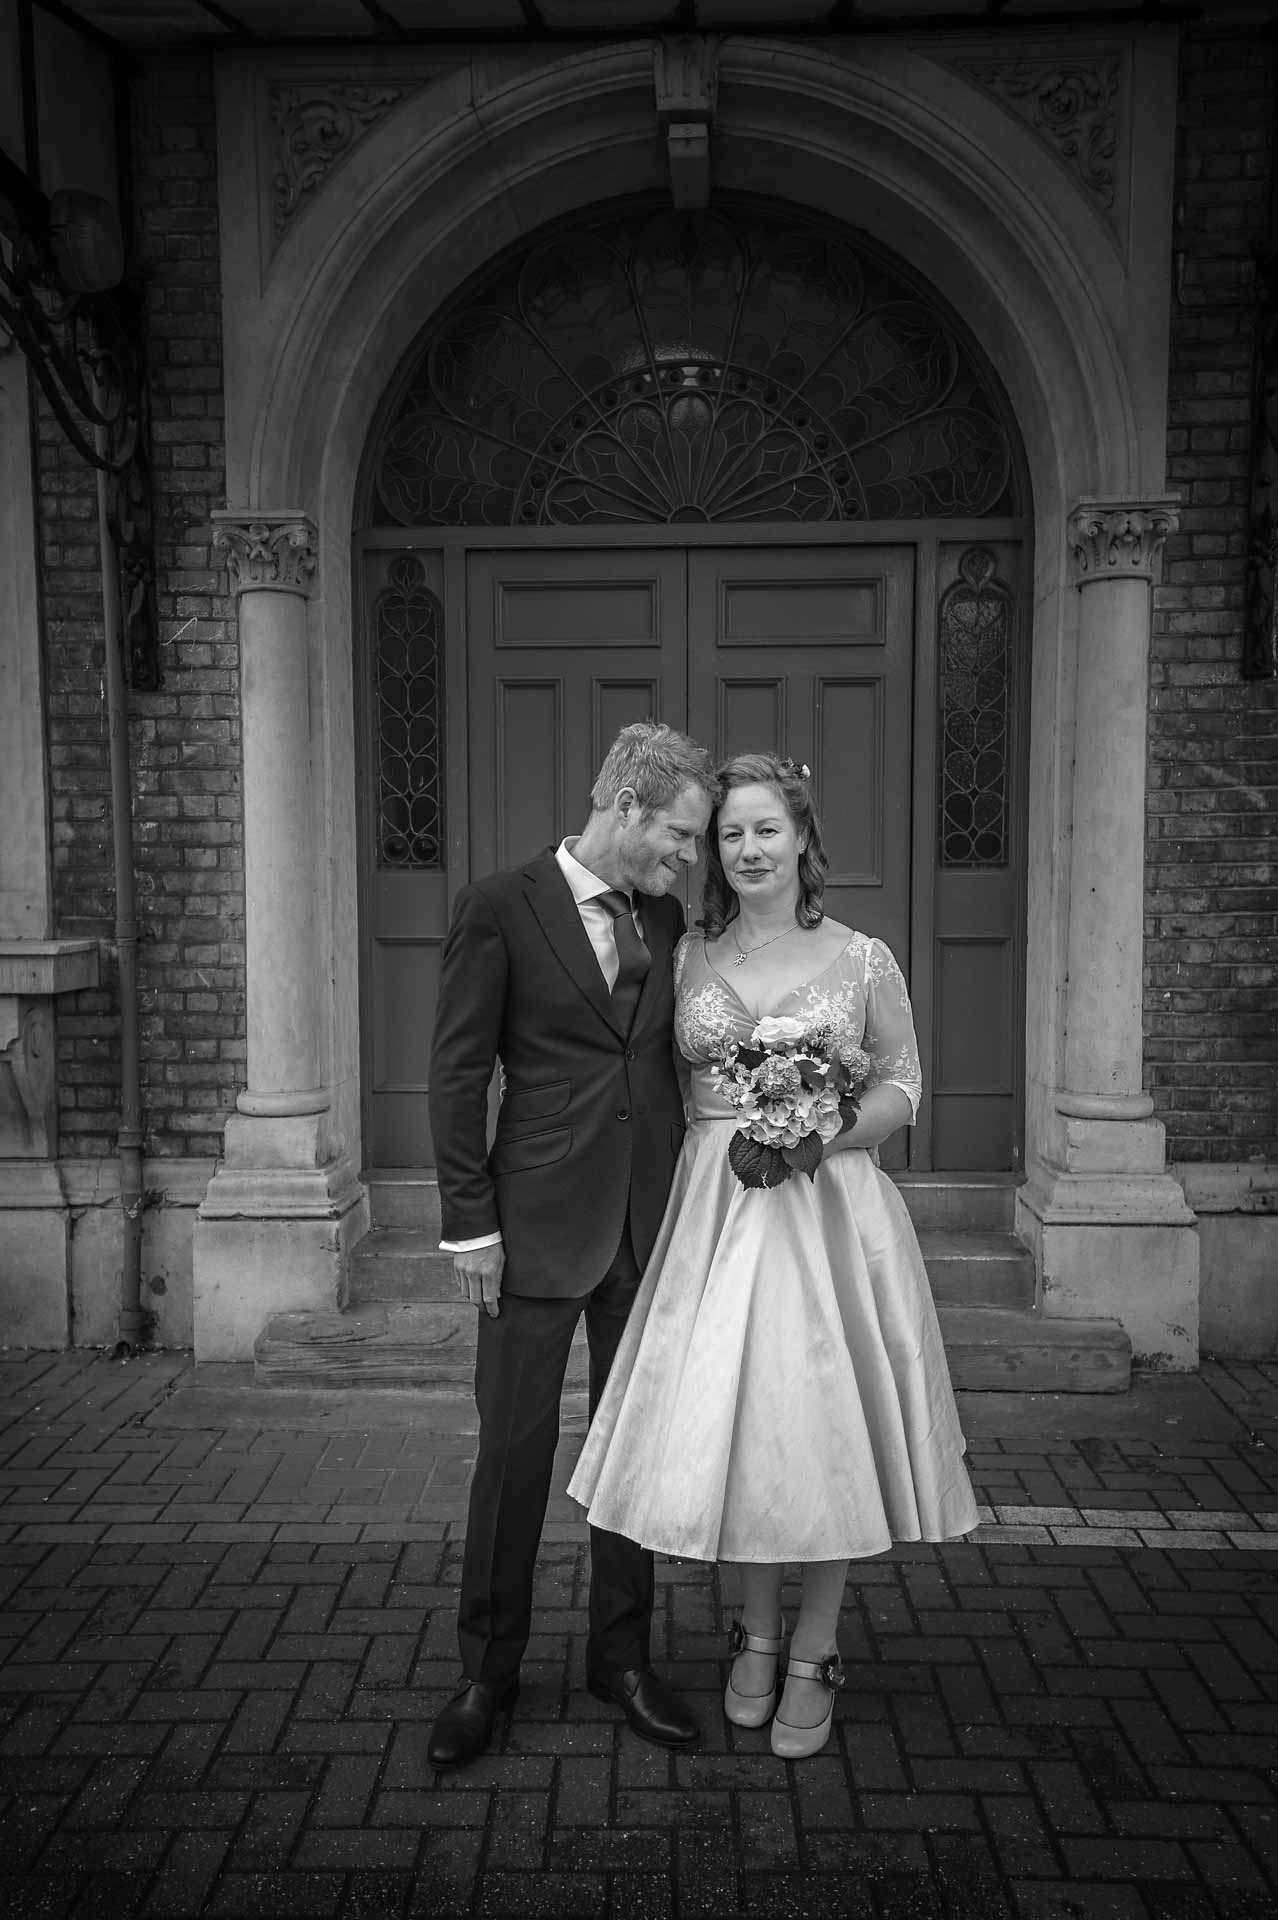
633,958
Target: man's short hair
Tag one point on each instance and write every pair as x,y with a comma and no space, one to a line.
656,763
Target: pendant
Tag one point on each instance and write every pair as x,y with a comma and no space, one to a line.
740,960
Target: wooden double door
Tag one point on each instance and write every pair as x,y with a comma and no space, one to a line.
808,650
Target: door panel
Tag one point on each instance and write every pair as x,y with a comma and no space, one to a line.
809,651
564,648
834,627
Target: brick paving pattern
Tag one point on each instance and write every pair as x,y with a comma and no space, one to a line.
221,1648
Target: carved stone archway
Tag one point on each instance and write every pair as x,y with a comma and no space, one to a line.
1061,273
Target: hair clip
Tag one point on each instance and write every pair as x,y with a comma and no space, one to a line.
793,766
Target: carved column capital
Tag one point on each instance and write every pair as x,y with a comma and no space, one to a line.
268,552
1119,539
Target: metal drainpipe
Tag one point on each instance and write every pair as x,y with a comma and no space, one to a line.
131,1323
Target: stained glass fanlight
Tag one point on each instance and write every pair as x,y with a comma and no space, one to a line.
654,367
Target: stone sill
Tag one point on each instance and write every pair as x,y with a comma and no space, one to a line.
29,968
1242,1186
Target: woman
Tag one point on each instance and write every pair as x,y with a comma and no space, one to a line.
781,1392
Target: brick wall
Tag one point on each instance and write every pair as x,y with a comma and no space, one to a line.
1211,959
185,738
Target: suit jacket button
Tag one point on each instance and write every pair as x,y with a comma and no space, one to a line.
623,1113
630,1053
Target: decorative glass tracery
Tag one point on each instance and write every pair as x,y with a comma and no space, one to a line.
974,671
408,677
666,367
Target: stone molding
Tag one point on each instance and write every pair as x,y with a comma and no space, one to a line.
1072,103
1246,1186
1119,539
268,552
32,972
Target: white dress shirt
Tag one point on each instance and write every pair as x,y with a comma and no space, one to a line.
586,887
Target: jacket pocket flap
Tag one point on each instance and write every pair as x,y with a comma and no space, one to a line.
533,1150
536,1103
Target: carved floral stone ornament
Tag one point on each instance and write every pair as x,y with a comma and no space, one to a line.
1115,540
315,126
268,552
1073,104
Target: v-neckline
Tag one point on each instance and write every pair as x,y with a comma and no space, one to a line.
802,986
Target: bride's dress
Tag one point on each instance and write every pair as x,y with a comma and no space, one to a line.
781,1391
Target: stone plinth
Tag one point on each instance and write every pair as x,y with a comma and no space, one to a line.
35,1293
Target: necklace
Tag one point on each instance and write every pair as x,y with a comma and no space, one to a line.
743,953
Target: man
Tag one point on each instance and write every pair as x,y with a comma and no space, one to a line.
562,971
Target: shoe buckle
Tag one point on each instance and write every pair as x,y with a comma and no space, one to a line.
832,1672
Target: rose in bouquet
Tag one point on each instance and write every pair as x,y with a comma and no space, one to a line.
793,1090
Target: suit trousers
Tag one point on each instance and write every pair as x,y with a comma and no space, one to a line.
520,1363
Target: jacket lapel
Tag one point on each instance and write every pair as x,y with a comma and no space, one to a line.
550,898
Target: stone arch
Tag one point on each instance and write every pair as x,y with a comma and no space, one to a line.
1070,307
924,161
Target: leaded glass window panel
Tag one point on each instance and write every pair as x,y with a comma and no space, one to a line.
975,661
682,368
408,677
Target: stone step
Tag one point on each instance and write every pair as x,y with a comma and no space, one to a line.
965,1268
961,1202
1019,1350
977,1269
404,1200
400,1263
381,1344
431,1345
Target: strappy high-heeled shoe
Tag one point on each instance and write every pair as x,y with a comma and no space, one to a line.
800,1743
752,1709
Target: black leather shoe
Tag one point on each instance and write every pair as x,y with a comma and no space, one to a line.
465,1727
652,1709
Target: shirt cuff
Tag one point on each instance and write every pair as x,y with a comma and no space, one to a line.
470,1246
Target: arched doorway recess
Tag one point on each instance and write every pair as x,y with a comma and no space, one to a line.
744,472
1071,302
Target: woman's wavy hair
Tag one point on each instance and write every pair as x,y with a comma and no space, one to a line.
719,904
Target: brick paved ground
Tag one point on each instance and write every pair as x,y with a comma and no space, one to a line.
226,1628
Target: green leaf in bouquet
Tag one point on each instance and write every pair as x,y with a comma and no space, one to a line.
806,1156
813,1073
755,1163
849,1107
751,1057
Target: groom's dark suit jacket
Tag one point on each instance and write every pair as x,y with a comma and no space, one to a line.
592,1118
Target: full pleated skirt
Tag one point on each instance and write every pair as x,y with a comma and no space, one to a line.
781,1391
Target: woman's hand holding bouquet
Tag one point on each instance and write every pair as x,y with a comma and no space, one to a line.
793,1092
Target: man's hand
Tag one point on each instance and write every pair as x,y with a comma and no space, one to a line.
478,1276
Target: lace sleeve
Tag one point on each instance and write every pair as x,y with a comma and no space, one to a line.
889,1027
681,958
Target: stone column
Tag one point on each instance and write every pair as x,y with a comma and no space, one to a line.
1110,1225
271,561
280,1214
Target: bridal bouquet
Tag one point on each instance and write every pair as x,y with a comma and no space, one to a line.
792,1091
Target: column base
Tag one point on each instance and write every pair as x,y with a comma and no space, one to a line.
274,1232
1112,1235
35,1250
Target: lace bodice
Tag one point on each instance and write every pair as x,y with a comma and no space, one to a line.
860,997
